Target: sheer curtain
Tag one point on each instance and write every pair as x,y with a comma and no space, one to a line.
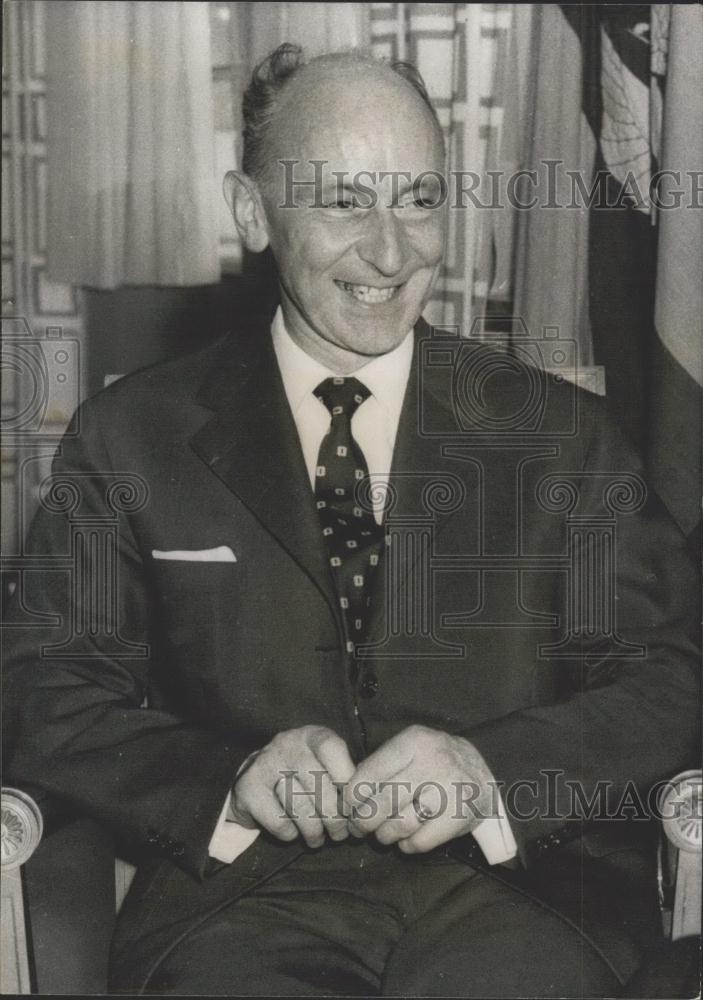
318,27
473,59
130,150
551,254
133,172
481,68
508,90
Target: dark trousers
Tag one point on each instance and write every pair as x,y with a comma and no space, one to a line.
357,920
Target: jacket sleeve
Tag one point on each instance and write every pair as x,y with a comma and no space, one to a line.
626,723
77,678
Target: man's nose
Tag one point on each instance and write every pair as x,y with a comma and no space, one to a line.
384,244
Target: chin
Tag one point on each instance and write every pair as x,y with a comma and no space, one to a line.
388,326
371,345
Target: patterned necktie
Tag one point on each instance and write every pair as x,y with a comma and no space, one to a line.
352,536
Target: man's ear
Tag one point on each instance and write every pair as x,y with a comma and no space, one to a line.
244,200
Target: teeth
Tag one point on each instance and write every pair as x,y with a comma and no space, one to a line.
365,293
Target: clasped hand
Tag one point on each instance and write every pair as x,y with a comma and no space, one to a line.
423,787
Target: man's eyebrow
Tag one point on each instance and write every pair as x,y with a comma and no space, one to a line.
402,181
368,178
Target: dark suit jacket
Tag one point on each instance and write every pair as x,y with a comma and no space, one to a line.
230,653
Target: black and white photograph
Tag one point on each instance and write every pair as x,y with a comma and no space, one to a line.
352,383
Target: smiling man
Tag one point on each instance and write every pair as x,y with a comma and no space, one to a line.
357,252
349,721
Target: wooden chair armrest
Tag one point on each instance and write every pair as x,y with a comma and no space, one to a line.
679,860
22,827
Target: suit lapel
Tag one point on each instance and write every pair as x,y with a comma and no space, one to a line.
419,458
418,462
251,444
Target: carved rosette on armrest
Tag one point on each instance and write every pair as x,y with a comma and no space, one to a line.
681,810
22,828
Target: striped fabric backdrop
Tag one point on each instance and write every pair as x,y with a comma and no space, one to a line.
42,325
462,51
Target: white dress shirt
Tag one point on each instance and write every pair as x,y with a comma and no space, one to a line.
374,424
374,427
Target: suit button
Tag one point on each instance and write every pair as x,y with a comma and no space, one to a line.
369,685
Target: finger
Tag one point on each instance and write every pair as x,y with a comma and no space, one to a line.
401,827
327,751
332,752
388,804
300,809
255,794
307,793
260,804
414,812
320,799
297,775
241,817
327,806
384,764
431,834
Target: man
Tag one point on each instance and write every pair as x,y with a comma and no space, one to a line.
315,705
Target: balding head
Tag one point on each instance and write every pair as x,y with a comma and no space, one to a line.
286,93
343,163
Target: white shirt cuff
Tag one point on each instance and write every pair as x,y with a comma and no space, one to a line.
230,839
494,836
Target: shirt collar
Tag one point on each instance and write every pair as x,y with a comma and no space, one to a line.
385,376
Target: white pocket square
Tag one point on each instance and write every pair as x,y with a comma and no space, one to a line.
222,553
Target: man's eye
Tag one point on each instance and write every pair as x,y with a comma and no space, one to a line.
343,203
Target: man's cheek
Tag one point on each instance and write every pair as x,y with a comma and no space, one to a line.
427,235
309,250
430,246
422,281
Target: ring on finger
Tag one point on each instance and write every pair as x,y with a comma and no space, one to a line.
422,812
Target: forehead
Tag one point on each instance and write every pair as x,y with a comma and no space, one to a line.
356,116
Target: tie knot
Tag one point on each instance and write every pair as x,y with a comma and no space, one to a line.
342,395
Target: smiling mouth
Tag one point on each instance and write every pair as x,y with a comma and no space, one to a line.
369,294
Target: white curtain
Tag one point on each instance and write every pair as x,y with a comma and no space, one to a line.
474,60
318,27
551,262
130,151
506,81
